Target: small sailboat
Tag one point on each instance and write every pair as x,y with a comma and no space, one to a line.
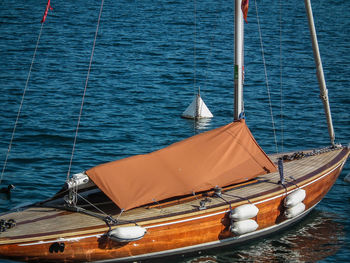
197,109
213,189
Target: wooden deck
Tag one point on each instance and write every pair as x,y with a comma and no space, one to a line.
38,223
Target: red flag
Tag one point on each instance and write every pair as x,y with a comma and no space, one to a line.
46,11
244,7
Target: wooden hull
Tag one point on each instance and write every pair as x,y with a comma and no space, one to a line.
171,230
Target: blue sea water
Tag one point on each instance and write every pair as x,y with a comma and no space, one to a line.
148,62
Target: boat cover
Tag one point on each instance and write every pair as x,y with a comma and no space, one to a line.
220,157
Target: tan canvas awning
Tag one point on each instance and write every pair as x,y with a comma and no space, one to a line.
219,157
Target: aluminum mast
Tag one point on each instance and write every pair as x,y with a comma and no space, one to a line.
319,70
239,60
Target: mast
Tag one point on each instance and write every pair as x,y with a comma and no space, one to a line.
319,71
238,70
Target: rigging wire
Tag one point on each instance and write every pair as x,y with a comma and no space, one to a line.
211,41
85,88
197,123
94,206
21,104
194,47
281,79
194,60
266,78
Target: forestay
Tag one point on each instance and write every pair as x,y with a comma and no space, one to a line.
220,157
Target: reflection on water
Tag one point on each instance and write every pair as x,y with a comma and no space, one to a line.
202,124
308,243
313,239
199,125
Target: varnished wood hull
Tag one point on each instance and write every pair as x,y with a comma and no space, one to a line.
178,232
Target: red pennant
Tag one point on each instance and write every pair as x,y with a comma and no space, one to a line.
46,11
244,7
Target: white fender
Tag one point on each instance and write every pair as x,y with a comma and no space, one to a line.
294,210
244,212
294,198
244,226
127,233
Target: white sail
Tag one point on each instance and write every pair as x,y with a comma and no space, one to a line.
197,109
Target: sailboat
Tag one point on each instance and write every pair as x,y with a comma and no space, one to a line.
197,109
214,189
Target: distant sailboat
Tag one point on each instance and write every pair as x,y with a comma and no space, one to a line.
197,109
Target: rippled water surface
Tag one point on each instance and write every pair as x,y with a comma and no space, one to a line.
149,59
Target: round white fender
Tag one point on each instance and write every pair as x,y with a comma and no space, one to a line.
244,212
294,210
295,198
127,233
244,226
